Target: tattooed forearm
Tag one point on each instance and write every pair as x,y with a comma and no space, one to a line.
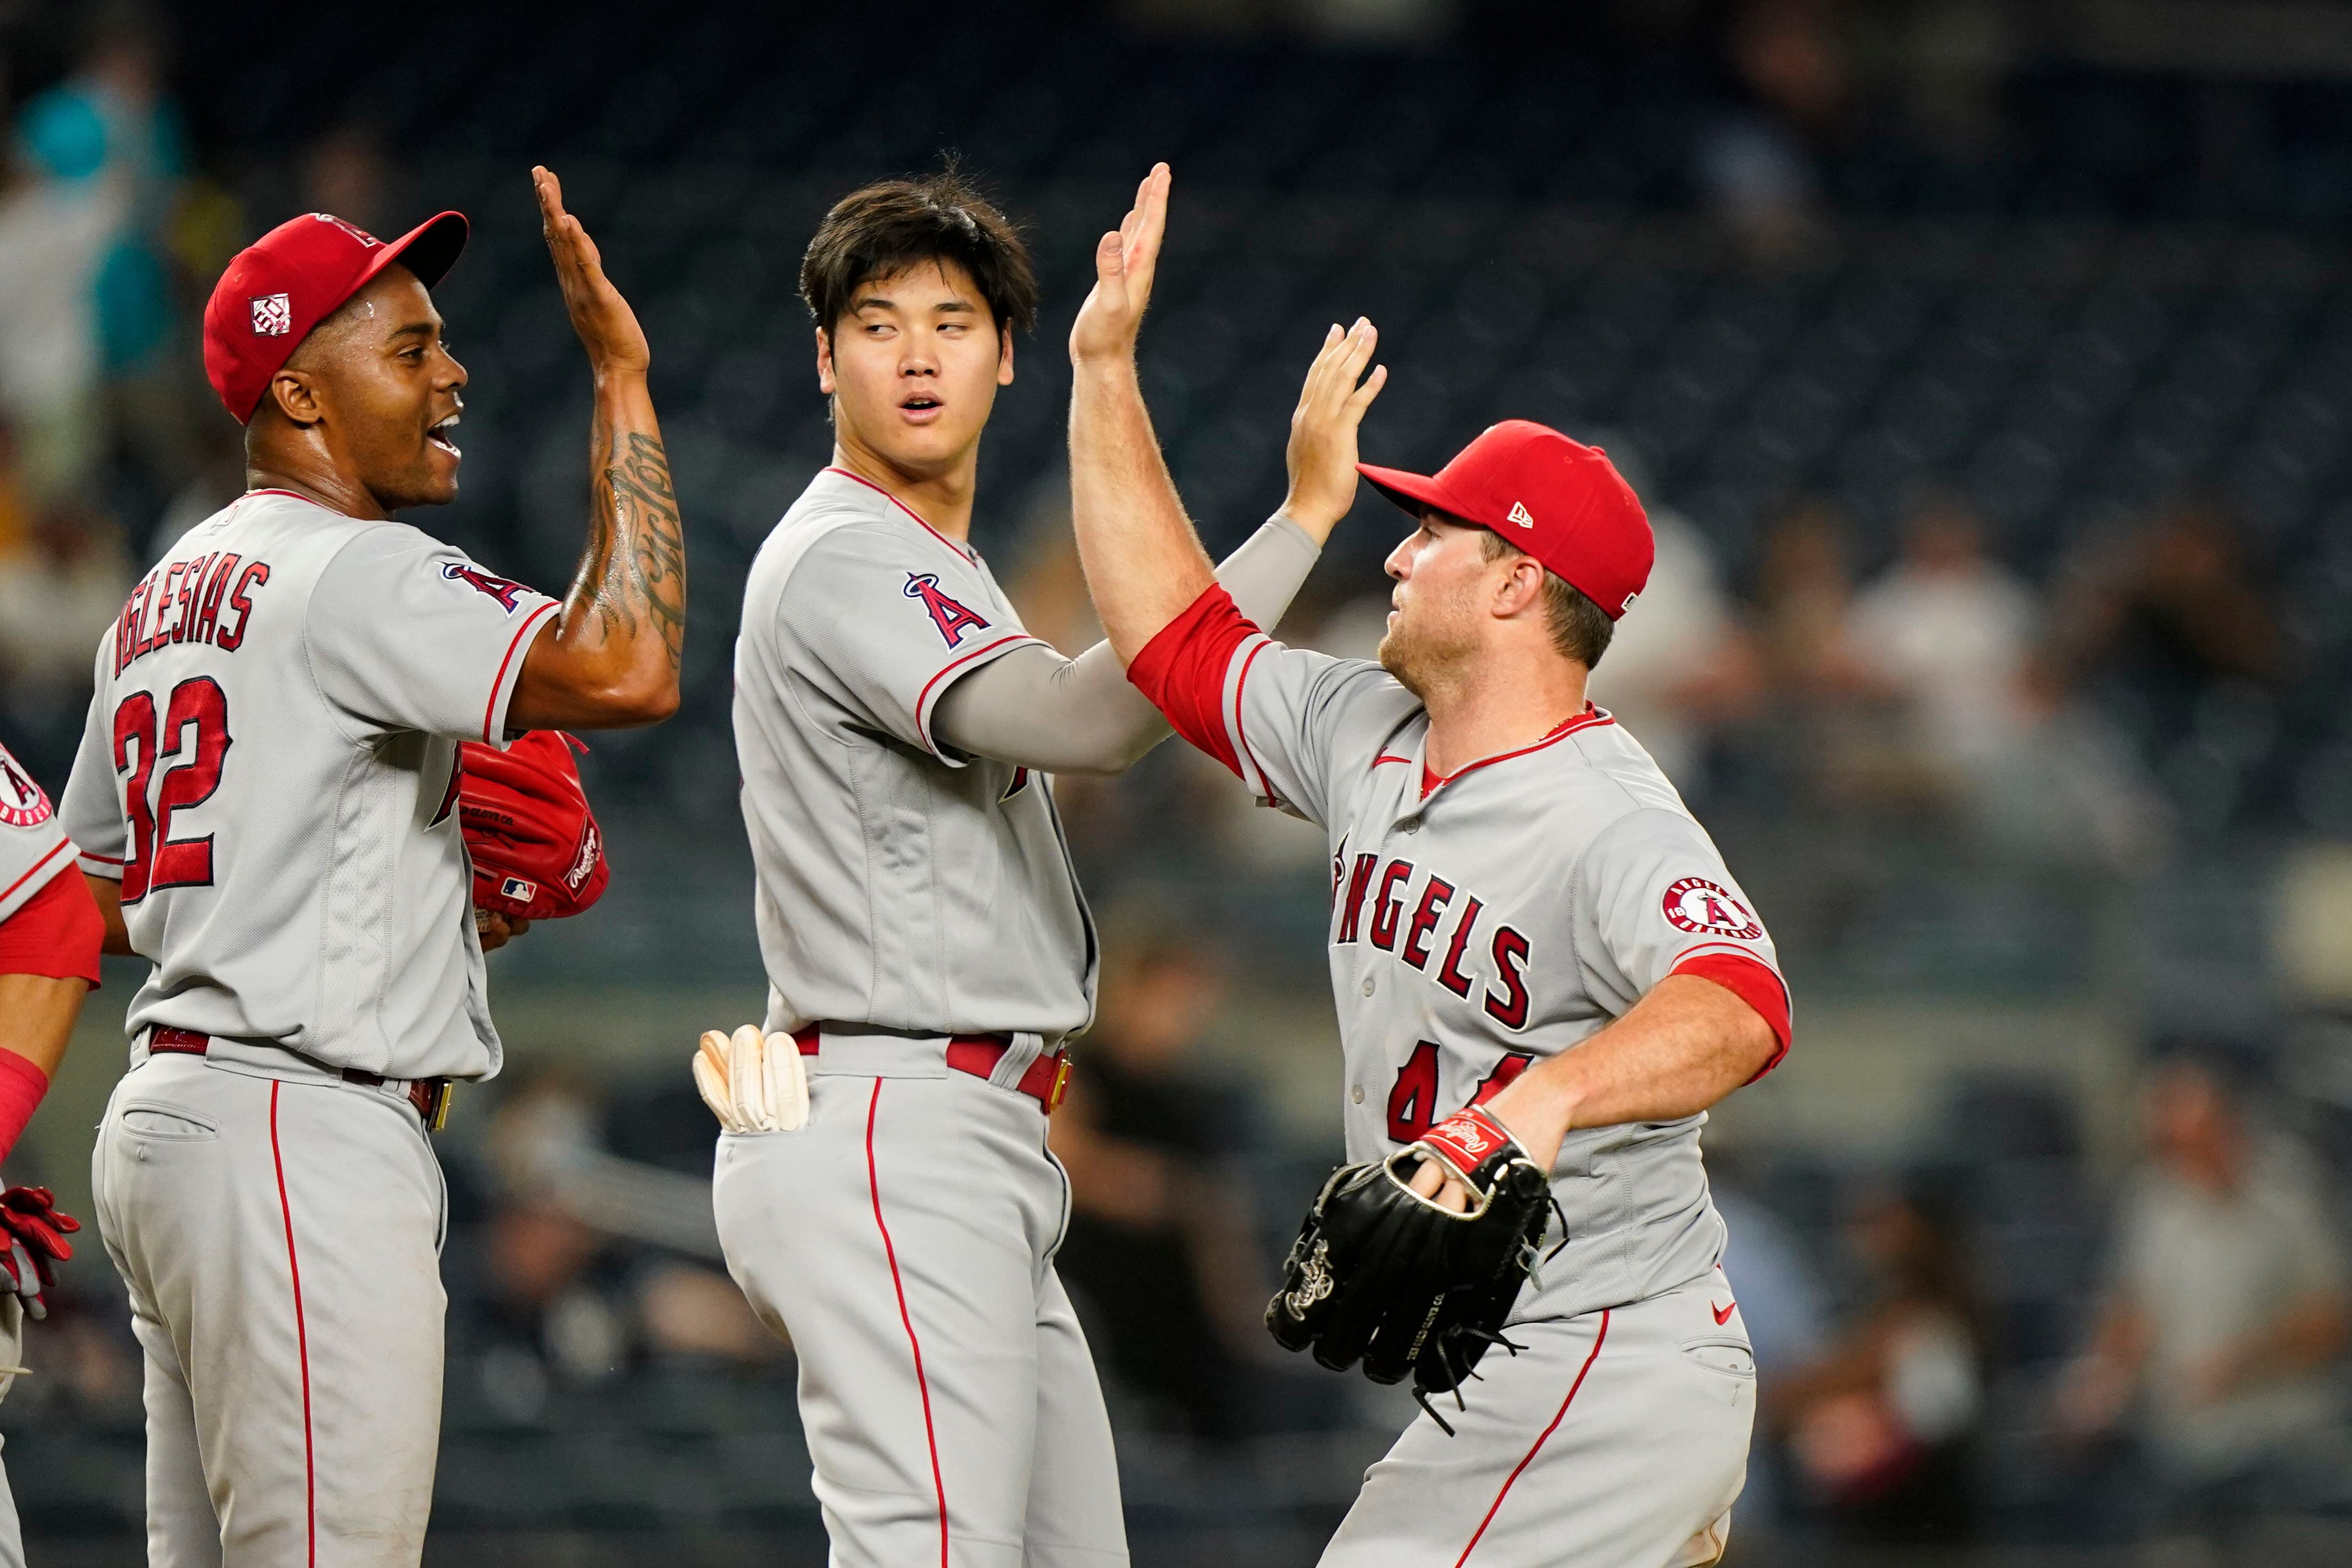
652,562
633,573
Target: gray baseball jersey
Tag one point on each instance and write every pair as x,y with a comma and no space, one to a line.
270,767
1486,919
1480,921
900,884
33,846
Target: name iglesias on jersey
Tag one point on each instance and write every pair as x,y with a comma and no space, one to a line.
207,600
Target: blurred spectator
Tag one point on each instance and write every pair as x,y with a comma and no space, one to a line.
57,219
1883,1424
2228,1304
56,597
1948,631
1680,663
1159,1245
2177,609
1828,724
543,1290
1790,71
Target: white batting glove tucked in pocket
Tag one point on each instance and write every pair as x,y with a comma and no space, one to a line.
752,1082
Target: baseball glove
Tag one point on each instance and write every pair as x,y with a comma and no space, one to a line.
536,850
1381,1274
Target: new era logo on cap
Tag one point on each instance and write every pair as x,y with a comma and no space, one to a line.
273,315
1521,515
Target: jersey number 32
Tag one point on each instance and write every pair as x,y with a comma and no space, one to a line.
157,860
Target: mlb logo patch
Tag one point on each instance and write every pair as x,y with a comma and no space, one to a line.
273,315
519,888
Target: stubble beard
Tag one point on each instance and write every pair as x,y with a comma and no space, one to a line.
1418,655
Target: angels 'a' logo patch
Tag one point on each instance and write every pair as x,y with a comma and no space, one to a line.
505,590
22,804
1706,909
953,618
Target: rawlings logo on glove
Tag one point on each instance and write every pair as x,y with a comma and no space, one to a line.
536,851
1401,1282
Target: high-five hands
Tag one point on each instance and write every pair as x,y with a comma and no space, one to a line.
607,327
1322,453
1124,265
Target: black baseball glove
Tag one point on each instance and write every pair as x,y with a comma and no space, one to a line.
1383,1274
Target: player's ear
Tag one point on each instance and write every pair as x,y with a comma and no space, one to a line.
1003,356
296,396
825,361
1521,588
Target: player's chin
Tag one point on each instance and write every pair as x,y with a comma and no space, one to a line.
429,484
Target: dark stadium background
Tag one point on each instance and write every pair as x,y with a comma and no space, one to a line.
2049,301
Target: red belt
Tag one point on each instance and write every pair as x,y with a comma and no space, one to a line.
1046,1082
429,1095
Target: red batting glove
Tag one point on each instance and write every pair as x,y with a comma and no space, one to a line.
35,1229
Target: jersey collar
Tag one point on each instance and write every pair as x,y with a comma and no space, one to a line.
963,549
1417,764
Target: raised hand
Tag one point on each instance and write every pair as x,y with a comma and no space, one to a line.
607,327
1322,452
1125,262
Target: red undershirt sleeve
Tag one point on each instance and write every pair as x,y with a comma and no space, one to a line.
1754,983
1182,670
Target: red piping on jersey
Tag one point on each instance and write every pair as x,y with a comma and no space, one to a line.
63,846
274,490
1389,757
1591,718
922,725
1240,688
1751,980
301,1345
1598,1340
963,551
930,1438
490,709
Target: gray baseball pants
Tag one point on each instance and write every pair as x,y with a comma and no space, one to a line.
903,1241
1617,1439
280,1236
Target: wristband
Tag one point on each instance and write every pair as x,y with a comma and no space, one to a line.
1466,1139
21,1086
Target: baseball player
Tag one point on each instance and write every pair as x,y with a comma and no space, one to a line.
1538,956
265,802
49,936
928,952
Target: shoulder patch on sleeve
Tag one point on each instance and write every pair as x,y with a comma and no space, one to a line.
505,590
951,616
22,802
1707,909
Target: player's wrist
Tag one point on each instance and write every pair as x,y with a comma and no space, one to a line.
1315,521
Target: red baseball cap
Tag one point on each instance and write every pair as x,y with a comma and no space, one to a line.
295,276
1562,502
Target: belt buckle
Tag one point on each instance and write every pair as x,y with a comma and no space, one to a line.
1061,1084
438,1098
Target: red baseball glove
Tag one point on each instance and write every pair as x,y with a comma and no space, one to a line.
536,850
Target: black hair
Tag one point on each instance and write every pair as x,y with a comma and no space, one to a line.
892,225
